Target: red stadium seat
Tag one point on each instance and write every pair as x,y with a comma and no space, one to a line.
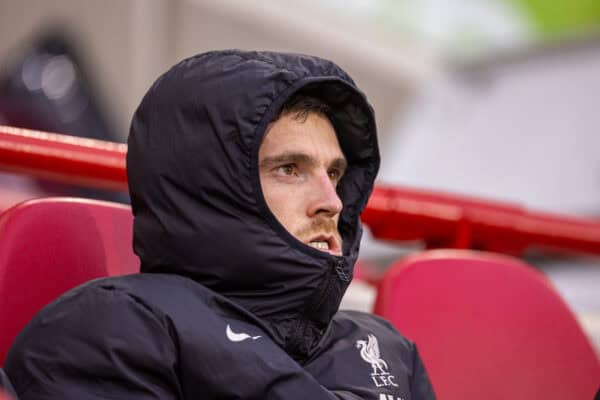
50,245
4,396
488,327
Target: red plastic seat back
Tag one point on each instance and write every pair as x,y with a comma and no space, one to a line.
488,327
48,246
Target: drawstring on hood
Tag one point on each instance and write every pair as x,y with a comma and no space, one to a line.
196,196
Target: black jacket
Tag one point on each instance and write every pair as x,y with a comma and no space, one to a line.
229,304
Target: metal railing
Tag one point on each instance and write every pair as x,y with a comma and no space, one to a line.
393,213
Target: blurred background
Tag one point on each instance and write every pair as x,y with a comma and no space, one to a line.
492,98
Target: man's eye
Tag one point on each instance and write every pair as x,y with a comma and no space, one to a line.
288,169
335,174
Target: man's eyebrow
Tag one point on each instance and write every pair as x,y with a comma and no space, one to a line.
340,164
286,158
296,158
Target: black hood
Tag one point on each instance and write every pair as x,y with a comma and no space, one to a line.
199,210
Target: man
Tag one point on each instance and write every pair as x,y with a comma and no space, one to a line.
247,173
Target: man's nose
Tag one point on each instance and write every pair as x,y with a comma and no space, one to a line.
324,197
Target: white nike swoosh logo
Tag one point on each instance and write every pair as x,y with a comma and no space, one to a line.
238,337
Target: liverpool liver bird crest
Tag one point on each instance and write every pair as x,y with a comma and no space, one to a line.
369,351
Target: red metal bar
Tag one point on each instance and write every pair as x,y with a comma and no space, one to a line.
444,220
393,213
64,158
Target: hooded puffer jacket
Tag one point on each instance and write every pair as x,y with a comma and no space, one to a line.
229,305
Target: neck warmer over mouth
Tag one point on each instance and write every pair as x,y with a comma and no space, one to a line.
199,210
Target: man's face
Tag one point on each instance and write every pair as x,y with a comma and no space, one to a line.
300,165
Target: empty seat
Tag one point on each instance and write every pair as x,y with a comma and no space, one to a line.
488,327
51,245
